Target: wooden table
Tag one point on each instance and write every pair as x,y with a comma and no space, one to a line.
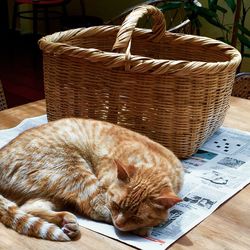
227,228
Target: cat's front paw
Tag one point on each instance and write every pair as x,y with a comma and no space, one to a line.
70,226
144,232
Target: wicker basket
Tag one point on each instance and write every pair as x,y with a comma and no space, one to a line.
3,104
173,88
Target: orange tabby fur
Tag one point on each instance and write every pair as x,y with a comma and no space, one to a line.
101,170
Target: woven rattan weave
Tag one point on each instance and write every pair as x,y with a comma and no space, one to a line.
3,104
241,86
173,88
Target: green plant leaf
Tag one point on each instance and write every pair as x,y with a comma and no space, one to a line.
231,4
212,4
244,40
210,16
191,10
205,12
221,9
244,30
215,22
223,39
171,6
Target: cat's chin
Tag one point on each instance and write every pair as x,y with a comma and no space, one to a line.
125,228
144,232
122,228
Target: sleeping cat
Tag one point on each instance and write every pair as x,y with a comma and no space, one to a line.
100,170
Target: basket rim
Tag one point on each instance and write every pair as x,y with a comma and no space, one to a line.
56,44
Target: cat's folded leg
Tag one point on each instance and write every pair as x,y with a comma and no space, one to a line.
87,197
44,209
100,210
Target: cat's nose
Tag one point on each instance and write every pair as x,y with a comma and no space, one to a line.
120,221
119,224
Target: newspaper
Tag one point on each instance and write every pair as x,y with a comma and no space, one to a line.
219,169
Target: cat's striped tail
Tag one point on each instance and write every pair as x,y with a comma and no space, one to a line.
13,217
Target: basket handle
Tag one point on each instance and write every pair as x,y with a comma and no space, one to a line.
124,35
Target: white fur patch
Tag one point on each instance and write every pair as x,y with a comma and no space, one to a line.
29,223
58,234
44,230
17,217
8,204
38,203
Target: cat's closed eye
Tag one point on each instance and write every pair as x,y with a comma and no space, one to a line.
115,206
136,219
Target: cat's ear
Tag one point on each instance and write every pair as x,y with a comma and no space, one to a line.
167,198
124,172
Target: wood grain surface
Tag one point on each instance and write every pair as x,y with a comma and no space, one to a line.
227,228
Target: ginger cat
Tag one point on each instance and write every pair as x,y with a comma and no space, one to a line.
100,170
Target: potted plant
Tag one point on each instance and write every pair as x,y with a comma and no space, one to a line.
215,14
